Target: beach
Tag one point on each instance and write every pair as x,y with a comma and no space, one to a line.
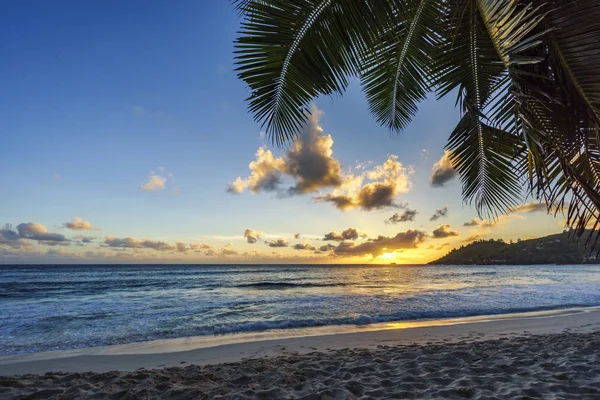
530,355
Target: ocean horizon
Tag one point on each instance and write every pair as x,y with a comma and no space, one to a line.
44,308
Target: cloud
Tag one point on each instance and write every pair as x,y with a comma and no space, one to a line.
252,236
199,247
530,207
309,162
304,246
472,222
133,243
277,243
310,159
80,225
386,182
438,246
485,224
155,182
491,223
266,174
181,247
407,215
39,232
382,244
228,252
9,237
442,171
347,234
223,252
326,247
311,166
57,253
472,238
7,234
84,238
441,213
444,231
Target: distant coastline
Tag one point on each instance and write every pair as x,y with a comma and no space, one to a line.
560,249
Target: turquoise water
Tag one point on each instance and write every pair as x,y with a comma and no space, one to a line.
64,307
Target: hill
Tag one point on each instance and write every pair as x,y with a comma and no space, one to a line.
554,249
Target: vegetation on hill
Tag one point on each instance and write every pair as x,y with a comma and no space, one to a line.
561,248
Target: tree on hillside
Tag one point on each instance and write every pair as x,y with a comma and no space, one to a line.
526,73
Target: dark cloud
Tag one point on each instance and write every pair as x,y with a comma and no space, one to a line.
382,244
444,231
347,234
252,236
442,171
309,162
407,215
84,238
304,246
326,247
39,232
9,237
387,181
473,222
441,213
277,243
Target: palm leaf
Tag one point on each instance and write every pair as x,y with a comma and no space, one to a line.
290,52
397,69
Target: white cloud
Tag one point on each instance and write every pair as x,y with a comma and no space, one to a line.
155,182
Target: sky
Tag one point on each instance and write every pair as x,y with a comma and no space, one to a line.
126,139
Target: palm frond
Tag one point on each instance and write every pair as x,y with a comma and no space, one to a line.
290,52
397,68
471,64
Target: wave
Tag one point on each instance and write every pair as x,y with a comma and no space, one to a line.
262,326
286,285
254,326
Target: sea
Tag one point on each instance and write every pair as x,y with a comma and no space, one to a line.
63,307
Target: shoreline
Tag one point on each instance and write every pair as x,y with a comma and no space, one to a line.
206,350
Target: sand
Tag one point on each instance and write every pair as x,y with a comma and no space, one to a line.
547,356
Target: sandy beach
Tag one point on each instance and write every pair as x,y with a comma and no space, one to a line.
535,355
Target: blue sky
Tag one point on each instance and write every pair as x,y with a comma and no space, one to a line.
99,96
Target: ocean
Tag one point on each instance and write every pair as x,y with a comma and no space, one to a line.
67,307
